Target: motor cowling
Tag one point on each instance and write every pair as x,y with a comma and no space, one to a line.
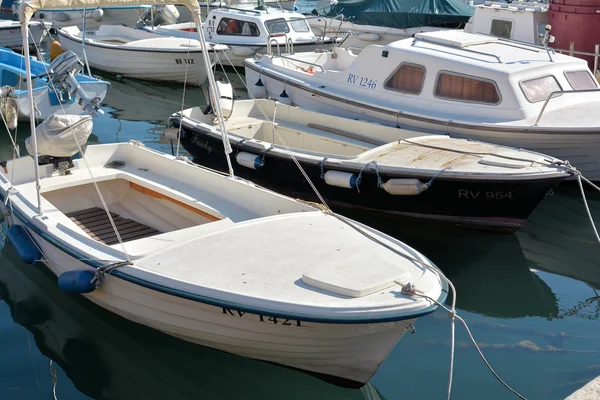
61,136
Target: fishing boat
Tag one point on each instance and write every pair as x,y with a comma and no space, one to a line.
138,54
53,87
361,23
10,33
248,32
374,168
150,237
450,82
91,17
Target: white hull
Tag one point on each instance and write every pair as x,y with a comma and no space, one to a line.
155,64
45,106
11,37
581,150
354,351
358,36
229,56
59,19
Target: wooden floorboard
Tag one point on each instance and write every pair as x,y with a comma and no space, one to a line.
96,223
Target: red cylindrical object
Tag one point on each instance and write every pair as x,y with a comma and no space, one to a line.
578,22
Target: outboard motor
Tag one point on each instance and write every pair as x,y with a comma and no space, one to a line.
59,138
62,72
163,15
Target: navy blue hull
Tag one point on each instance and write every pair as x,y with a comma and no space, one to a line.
489,204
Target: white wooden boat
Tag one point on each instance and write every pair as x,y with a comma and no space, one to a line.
137,54
49,96
10,33
246,33
170,258
94,16
207,7
365,167
466,85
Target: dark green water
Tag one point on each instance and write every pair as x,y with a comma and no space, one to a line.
531,300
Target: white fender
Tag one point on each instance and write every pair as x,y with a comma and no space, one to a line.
369,37
249,160
404,187
242,51
340,179
98,14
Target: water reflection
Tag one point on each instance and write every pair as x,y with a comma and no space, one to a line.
107,357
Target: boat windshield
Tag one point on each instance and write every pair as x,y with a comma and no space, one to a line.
278,25
299,25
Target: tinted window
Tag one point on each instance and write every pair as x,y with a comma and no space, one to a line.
229,26
464,88
299,25
408,78
581,80
277,26
501,28
540,88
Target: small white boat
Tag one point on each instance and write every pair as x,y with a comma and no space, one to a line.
49,95
469,86
93,16
137,54
212,259
10,33
249,32
208,6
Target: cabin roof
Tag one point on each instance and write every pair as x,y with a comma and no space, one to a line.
531,7
262,15
482,51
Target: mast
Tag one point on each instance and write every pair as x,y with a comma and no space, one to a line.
36,168
214,89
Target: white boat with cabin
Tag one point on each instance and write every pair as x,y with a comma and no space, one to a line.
157,240
208,6
250,32
450,82
138,54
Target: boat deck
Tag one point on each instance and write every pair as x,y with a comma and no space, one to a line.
96,223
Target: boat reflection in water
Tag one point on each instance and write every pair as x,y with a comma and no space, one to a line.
107,357
490,272
559,239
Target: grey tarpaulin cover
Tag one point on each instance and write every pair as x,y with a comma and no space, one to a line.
55,138
400,14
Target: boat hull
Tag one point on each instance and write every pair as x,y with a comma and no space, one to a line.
174,65
580,147
347,354
47,105
499,205
11,36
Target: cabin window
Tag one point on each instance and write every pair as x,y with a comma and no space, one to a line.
501,28
580,80
539,89
236,27
299,25
408,79
277,26
465,88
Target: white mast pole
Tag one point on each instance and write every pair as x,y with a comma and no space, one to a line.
215,91
36,168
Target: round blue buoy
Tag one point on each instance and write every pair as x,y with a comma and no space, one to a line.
77,281
25,246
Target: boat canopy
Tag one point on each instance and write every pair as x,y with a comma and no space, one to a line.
401,14
29,7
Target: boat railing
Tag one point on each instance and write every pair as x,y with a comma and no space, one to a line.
289,44
572,52
557,93
303,62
